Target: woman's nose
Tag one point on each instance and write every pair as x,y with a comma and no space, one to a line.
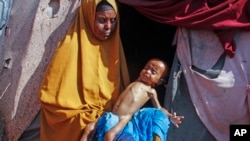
108,25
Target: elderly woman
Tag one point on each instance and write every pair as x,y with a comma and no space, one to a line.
86,73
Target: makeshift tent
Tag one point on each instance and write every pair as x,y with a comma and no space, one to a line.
209,78
32,30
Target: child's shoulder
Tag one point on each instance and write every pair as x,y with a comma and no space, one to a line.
138,85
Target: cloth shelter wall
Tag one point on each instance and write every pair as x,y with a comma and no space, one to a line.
222,16
219,101
34,29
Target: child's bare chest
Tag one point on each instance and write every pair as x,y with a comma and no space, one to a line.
142,93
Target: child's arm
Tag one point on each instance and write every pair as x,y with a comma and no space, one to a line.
176,120
153,96
156,103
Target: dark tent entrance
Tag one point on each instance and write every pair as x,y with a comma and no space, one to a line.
143,39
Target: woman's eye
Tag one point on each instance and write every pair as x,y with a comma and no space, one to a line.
101,20
113,21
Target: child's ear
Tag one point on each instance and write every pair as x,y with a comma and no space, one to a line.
161,81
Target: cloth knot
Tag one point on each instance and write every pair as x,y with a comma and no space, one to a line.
248,87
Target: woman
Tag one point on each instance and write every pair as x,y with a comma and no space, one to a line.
86,73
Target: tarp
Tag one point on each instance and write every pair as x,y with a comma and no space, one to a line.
5,6
221,15
218,101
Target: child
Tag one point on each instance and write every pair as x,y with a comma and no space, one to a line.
130,102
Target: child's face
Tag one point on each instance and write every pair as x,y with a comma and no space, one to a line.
152,72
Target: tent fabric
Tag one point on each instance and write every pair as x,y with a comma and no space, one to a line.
221,101
83,79
177,98
5,7
30,37
222,16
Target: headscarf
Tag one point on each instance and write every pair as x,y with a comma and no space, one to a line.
103,6
83,79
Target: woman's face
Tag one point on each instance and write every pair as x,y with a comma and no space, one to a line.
105,24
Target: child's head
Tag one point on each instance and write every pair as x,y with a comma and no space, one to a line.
154,72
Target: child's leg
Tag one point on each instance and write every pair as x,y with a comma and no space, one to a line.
88,129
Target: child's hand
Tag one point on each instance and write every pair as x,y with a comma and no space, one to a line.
176,120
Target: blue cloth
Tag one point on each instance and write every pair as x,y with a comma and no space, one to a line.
141,127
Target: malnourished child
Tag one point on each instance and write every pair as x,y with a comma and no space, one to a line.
128,118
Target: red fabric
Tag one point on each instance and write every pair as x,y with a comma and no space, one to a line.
219,15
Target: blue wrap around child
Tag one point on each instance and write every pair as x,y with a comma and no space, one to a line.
141,127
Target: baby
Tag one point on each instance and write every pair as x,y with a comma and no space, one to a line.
135,96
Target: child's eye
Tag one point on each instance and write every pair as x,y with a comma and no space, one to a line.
154,72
